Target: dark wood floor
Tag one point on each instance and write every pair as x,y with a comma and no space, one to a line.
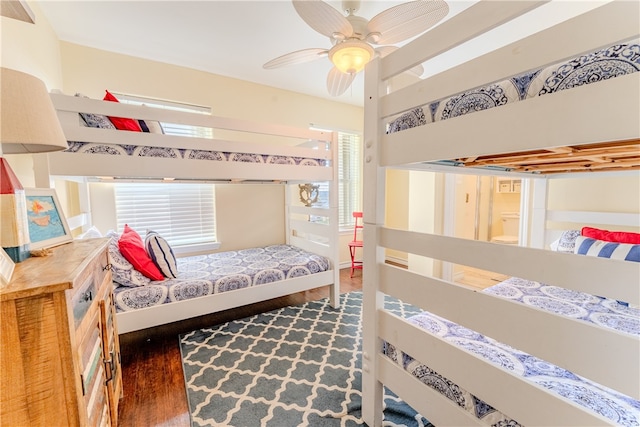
154,392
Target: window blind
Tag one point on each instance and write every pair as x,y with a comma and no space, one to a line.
349,177
172,128
184,214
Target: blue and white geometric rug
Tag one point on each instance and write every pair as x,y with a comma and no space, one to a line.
296,366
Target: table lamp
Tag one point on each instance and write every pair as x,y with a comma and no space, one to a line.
28,124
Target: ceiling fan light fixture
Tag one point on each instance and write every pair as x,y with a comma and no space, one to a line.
350,57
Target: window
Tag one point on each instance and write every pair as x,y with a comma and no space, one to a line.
349,177
184,214
172,128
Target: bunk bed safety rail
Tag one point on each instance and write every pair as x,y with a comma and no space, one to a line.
241,149
521,56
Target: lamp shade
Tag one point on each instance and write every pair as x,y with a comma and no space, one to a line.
29,123
351,56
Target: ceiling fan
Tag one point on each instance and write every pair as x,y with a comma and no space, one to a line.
352,35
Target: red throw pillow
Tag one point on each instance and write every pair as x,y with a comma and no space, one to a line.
119,122
611,236
132,249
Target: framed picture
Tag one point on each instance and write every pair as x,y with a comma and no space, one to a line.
47,225
6,267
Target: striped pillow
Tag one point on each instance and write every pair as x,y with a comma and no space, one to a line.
602,249
161,254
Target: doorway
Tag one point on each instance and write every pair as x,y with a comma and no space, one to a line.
485,208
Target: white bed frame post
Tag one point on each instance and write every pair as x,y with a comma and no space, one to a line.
373,215
329,231
334,241
538,192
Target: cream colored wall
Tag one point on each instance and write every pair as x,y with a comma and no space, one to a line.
605,193
397,208
465,206
31,48
425,214
253,219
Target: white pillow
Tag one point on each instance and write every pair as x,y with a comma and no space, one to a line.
154,126
566,242
92,233
161,254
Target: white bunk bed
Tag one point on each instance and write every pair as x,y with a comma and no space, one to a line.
606,112
250,152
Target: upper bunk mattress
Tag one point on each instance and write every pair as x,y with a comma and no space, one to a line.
221,272
184,153
607,313
593,68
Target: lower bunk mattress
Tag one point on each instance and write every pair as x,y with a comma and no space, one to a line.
607,313
203,275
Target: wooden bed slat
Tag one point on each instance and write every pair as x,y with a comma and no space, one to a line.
607,152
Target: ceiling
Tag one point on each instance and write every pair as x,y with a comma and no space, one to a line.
235,38
229,38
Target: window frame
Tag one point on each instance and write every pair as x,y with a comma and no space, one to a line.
350,177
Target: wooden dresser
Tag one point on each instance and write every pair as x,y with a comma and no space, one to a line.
60,355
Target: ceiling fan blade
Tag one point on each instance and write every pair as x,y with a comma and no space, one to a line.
406,20
338,82
323,18
297,57
385,50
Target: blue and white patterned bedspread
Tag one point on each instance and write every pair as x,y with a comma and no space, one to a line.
605,312
614,61
183,153
221,272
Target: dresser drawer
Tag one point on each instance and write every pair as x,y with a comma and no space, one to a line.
88,291
83,299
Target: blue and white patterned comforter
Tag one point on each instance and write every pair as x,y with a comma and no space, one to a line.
221,272
614,61
183,153
605,312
